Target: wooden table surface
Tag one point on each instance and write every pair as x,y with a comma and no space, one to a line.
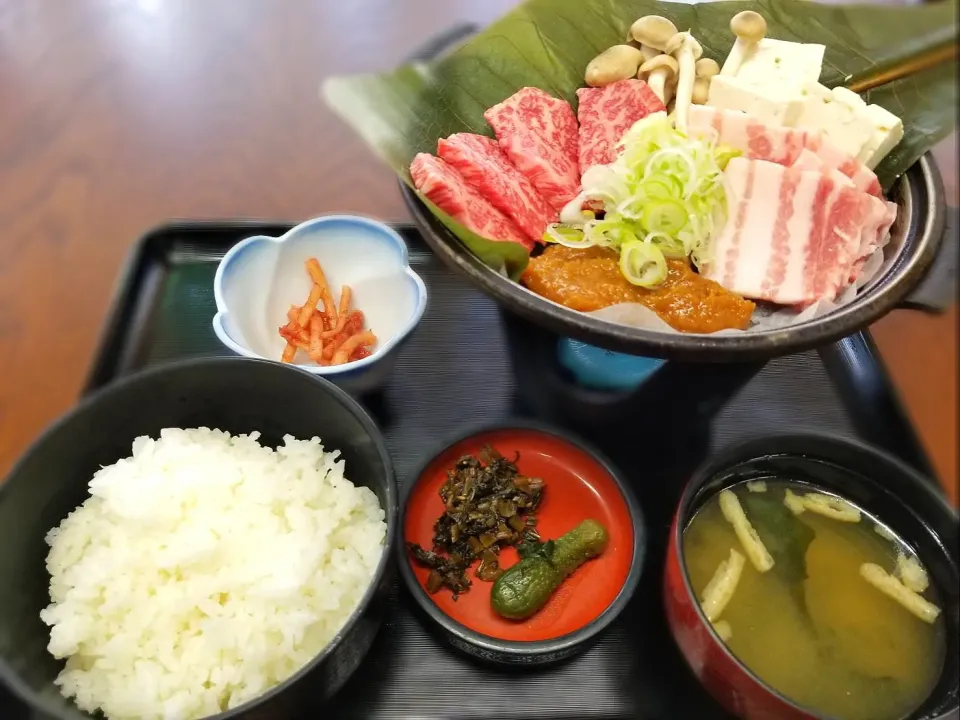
116,115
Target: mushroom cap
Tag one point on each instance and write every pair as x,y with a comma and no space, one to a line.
665,62
653,30
707,68
615,63
623,50
684,40
748,25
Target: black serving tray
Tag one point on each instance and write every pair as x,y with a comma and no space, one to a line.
457,371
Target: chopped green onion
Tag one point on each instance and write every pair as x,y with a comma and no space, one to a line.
664,216
661,185
664,195
642,263
612,231
567,236
724,154
670,247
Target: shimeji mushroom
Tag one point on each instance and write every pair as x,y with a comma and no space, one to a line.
685,48
653,31
701,91
616,63
659,72
649,53
750,28
705,69
670,92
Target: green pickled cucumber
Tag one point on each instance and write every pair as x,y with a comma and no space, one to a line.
527,586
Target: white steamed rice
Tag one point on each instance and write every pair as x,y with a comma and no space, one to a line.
204,570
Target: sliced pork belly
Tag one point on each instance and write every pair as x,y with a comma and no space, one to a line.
481,162
447,189
746,133
863,177
884,214
607,113
777,144
848,218
880,217
809,160
538,134
789,232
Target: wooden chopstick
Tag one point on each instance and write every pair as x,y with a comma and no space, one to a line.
919,63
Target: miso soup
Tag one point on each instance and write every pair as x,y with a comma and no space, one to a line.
818,599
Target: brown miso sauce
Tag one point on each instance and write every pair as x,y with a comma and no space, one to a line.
590,279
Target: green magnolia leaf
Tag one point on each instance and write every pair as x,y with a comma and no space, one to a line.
548,43
507,256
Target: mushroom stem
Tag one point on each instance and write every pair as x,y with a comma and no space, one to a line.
701,91
668,94
738,54
648,52
657,81
658,72
686,50
750,28
684,87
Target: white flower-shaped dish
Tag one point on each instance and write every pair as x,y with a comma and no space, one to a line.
260,277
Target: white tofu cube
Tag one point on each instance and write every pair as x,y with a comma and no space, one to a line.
842,119
888,131
770,107
782,66
849,97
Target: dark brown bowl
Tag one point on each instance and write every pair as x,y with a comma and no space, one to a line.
881,485
238,395
914,240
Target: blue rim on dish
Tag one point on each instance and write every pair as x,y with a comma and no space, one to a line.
382,349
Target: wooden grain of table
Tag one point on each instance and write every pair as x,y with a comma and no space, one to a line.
116,115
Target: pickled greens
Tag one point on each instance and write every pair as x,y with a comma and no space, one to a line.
661,198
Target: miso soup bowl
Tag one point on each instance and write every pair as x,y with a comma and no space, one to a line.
907,502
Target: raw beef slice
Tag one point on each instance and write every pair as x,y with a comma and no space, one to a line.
538,134
446,189
481,162
607,113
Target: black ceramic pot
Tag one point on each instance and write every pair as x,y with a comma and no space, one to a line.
237,395
914,240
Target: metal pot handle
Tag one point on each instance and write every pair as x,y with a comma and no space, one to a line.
937,291
867,392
